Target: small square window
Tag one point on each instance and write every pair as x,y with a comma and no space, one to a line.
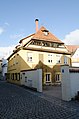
29,57
50,58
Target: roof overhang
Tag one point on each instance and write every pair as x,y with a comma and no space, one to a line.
13,53
46,50
47,40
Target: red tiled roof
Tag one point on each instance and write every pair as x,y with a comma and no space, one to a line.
41,36
72,48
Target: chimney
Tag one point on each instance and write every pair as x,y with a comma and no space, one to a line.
36,21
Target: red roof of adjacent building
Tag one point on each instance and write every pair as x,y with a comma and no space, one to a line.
72,48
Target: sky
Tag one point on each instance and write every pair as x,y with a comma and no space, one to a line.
17,20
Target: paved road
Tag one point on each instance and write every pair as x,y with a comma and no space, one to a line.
20,103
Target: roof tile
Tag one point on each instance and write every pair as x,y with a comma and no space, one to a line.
49,37
72,48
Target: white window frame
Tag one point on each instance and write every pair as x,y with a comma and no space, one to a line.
65,60
49,58
45,33
58,59
57,77
29,57
48,77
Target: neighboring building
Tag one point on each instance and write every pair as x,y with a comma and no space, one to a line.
74,49
41,50
0,69
4,68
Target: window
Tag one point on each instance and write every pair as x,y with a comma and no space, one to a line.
25,78
65,60
12,76
50,58
47,77
29,57
58,59
57,77
55,45
18,76
15,76
46,32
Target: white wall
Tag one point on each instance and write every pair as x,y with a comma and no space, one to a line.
70,82
75,64
74,79
75,58
32,79
76,54
65,81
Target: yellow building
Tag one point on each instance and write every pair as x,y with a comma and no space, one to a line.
40,50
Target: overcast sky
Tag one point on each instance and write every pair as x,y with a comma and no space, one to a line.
17,19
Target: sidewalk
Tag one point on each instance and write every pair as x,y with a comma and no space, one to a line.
19,103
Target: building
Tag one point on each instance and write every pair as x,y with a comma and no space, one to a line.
41,50
74,49
4,68
0,69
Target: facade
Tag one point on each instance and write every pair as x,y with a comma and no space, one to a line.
0,69
4,68
75,58
41,50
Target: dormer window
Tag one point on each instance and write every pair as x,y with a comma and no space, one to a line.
46,32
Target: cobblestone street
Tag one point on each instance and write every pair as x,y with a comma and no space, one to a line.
20,103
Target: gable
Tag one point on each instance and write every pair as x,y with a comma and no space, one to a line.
45,35
41,35
76,54
72,48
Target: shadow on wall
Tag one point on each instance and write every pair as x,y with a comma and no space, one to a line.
45,69
22,64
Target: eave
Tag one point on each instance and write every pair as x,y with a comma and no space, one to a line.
26,37
47,41
46,50
13,53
